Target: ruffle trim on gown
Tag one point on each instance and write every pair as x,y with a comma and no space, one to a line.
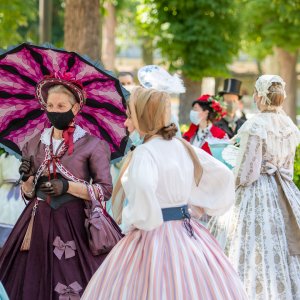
271,127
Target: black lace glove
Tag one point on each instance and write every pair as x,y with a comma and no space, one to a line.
55,187
26,168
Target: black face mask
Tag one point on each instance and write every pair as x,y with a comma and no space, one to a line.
61,120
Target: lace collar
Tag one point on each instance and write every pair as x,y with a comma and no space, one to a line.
46,135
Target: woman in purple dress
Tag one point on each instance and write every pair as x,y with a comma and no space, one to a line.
47,255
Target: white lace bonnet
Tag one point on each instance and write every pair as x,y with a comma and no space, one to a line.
263,84
157,78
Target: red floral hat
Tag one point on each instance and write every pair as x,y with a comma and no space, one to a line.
215,104
67,80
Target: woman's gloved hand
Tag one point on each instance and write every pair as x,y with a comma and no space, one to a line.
55,187
26,168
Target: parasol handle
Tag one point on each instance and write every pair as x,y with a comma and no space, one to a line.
20,179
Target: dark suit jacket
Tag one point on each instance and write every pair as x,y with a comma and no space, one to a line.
224,125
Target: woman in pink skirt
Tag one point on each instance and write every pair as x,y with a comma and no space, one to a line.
165,254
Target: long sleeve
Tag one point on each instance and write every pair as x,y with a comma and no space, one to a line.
140,182
215,192
249,168
99,166
30,149
25,151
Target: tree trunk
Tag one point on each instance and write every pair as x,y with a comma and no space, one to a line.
259,67
109,36
45,20
193,91
218,83
287,70
147,50
100,36
82,27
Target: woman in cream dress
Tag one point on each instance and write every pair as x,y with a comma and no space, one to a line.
262,235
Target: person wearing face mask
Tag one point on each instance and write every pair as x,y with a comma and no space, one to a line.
127,80
135,140
205,112
234,118
48,252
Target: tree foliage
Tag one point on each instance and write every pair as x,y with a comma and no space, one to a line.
16,18
58,23
268,24
198,37
19,22
126,31
297,168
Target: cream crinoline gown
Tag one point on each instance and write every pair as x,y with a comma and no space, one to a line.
261,233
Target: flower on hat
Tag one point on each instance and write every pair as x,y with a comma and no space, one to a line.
66,79
66,76
205,97
215,103
217,106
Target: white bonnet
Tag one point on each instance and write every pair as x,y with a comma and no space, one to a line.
263,84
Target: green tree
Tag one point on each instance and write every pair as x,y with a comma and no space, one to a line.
297,168
197,37
272,27
131,32
58,23
17,21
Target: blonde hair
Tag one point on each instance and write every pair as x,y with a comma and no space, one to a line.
62,89
150,112
276,94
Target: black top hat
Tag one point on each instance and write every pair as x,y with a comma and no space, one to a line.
231,86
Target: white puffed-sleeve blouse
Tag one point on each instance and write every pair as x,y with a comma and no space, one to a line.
161,175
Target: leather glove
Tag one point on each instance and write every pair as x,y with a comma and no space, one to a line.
55,187
26,168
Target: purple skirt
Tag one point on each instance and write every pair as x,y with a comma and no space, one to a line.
49,271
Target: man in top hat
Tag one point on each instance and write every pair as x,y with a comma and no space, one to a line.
234,119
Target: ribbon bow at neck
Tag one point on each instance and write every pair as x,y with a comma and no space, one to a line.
70,292
283,172
60,248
